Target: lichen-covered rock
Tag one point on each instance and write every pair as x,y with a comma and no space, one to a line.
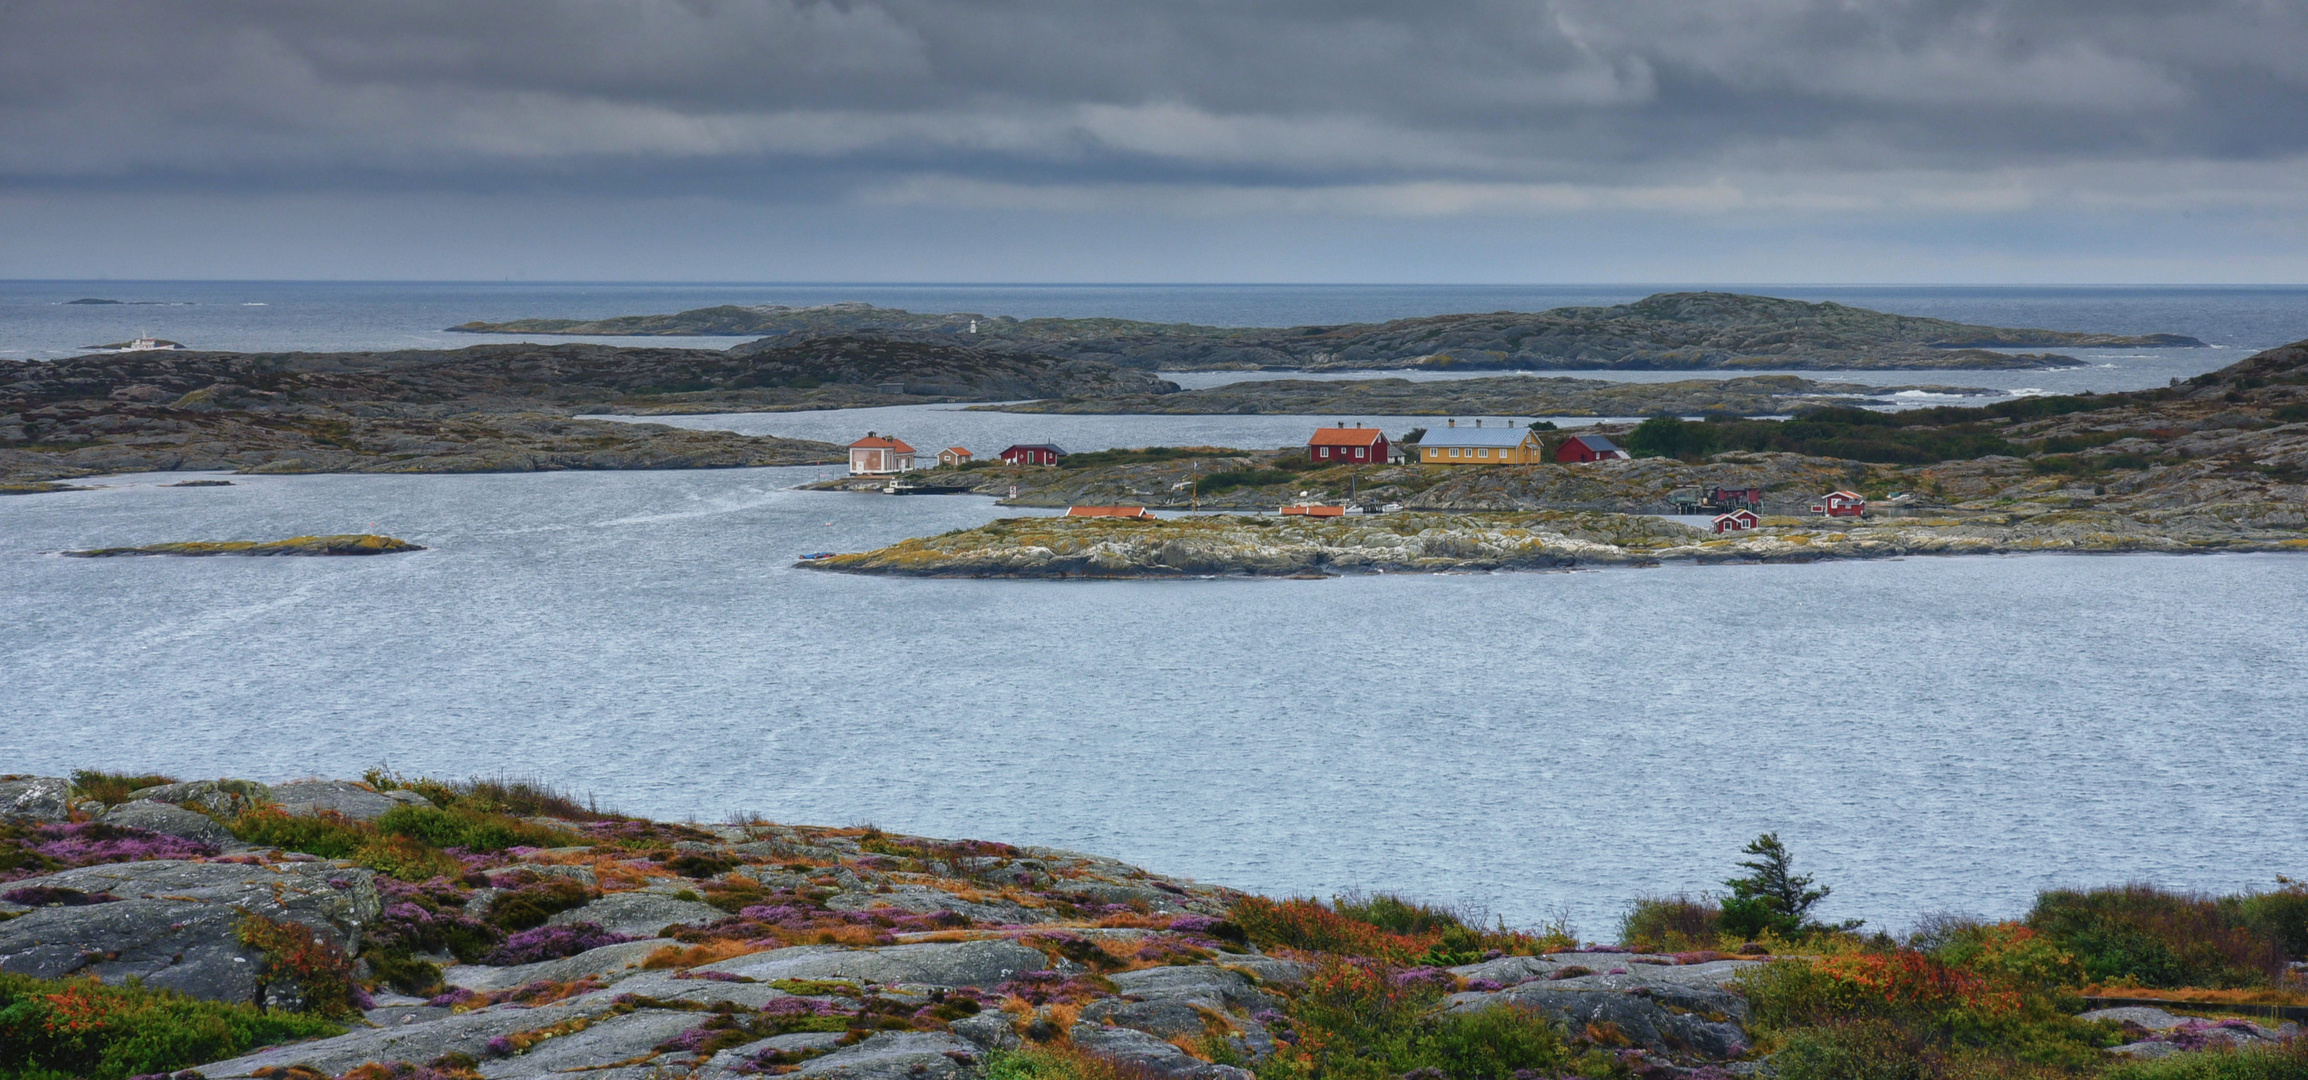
640,914
357,801
223,798
463,1033
960,963
1140,1050
611,1039
897,1055
1213,987
35,799
990,1030
175,926
168,819
608,963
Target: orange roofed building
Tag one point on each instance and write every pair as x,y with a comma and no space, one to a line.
879,455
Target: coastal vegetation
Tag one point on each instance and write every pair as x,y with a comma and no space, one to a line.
513,919
342,544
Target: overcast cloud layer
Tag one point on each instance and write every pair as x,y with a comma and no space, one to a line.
1969,135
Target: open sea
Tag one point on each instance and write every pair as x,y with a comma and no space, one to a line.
1930,734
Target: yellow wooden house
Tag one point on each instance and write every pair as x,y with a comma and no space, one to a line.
1464,444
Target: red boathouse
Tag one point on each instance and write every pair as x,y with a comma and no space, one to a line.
1032,454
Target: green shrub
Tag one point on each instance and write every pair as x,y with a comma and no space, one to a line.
2150,937
1361,1022
112,789
2284,1061
1396,915
2280,916
1868,1049
1230,479
328,834
473,830
82,1028
1671,924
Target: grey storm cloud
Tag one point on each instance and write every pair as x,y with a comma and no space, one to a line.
1433,104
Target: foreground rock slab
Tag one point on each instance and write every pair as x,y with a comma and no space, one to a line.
175,923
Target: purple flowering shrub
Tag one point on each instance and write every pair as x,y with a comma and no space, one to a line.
429,918
1046,987
1485,985
51,896
550,943
90,843
2201,1034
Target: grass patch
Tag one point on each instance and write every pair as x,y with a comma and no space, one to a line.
112,789
1143,455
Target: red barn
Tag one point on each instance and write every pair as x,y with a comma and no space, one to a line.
1579,449
1841,504
1723,498
1033,454
1343,445
1737,521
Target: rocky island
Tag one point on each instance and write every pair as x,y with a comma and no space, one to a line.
1510,395
2217,463
1669,331
412,929
490,408
347,544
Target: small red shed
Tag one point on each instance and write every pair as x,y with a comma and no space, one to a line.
1032,454
1579,449
1841,504
1737,521
1343,445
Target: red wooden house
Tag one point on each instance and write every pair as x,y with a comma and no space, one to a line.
1723,498
1579,449
1032,454
1841,504
1737,521
1343,445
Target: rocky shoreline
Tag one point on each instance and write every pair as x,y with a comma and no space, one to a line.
390,929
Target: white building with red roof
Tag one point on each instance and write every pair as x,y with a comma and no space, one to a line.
879,455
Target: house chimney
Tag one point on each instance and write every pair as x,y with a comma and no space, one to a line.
1478,421
1454,421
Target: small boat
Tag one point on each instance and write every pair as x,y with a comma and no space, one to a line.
926,489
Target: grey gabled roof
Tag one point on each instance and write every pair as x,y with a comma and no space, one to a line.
1595,442
1469,435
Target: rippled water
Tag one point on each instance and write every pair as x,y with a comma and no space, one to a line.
1926,734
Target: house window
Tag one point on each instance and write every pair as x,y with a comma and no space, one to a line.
1454,451
1482,453
1359,452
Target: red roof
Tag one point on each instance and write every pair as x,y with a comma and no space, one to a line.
1107,511
957,450
1345,436
881,442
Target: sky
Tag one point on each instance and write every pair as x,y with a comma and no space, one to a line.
1816,141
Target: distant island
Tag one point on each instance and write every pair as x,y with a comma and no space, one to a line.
1499,395
1666,332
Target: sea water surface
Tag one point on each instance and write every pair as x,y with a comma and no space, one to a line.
1927,734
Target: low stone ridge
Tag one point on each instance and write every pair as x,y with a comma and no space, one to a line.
168,819
966,963
220,798
1667,331
348,544
640,914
